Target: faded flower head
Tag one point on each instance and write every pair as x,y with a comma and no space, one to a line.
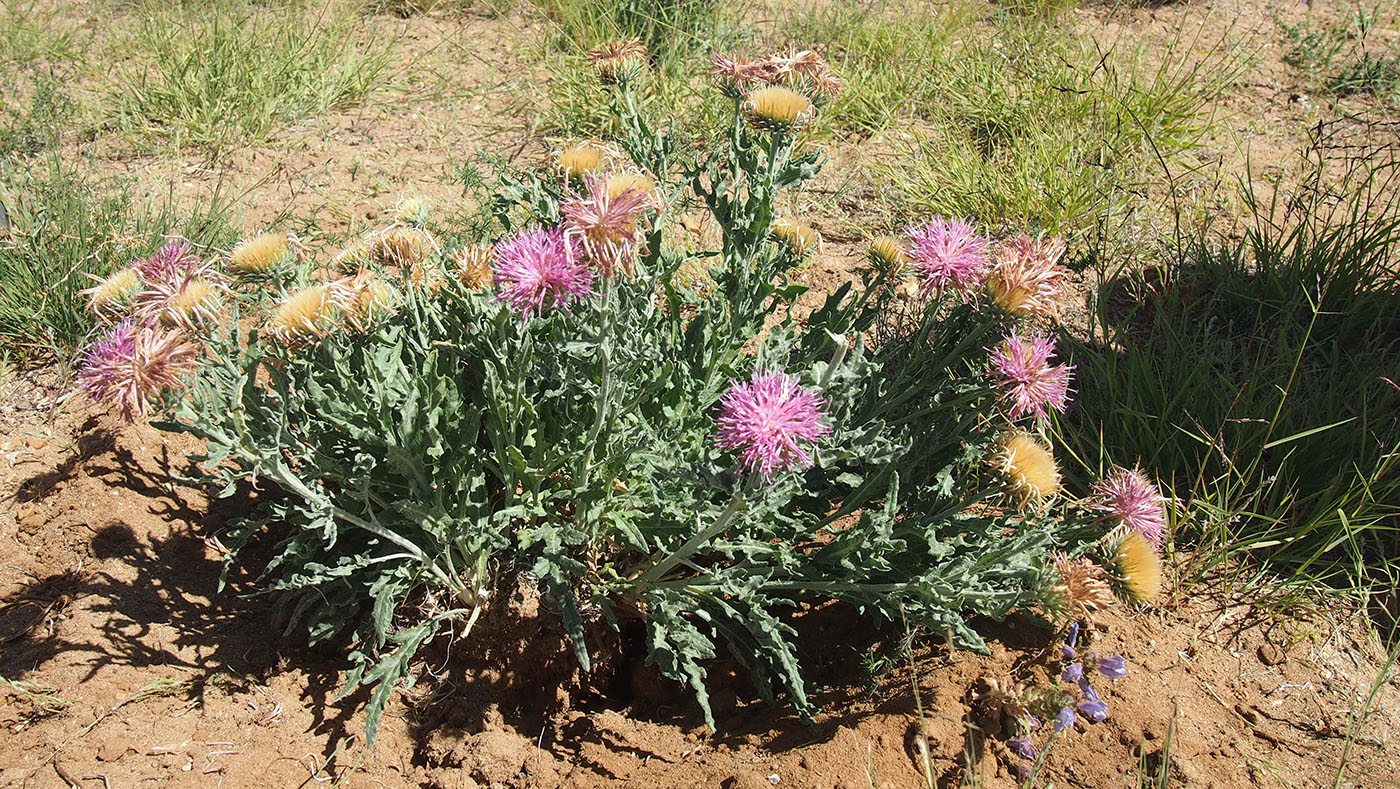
263,254
777,109
579,158
1031,473
800,238
131,365
541,268
619,62
801,69
772,420
116,291
472,265
307,314
354,256
1027,280
186,294
606,224
364,299
176,259
401,245
1139,568
1028,383
948,254
1082,586
1131,502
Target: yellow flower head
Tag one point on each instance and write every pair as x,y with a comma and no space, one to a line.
629,181
412,211
353,257
198,299
307,314
366,297
1030,469
114,291
403,246
777,109
579,158
1139,568
799,236
473,265
887,254
262,254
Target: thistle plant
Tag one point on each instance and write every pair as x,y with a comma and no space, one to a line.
641,428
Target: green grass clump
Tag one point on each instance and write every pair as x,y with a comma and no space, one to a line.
1257,378
229,72
32,126
66,225
1343,57
30,33
1015,121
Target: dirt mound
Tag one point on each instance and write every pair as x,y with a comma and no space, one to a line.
124,663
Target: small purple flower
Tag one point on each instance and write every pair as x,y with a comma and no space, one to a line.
1114,667
1067,652
1022,747
1073,639
1072,673
1064,719
773,420
1096,710
539,269
1087,690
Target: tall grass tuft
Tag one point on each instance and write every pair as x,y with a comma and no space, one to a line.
230,72
1258,377
1013,120
64,226
31,32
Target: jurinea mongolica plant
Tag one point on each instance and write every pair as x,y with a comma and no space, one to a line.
639,423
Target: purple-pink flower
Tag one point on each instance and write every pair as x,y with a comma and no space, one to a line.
772,420
541,268
175,258
948,253
605,219
132,364
1131,502
1029,384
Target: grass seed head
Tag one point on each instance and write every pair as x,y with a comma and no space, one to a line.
1139,568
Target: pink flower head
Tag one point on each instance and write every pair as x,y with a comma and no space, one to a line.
770,418
1029,384
1131,502
605,221
131,365
175,258
539,268
948,253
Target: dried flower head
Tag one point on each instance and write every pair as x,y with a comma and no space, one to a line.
1082,586
1139,568
1027,280
1030,469
262,254
412,211
109,295
1130,501
307,314
772,420
365,298
190,299
887,253
619,62
805,69
799,237
605,224
579,158
403,246
948,254
777,109
541,268
736,76
472,265
1028,383
131,365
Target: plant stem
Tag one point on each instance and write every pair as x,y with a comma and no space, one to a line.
736,505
